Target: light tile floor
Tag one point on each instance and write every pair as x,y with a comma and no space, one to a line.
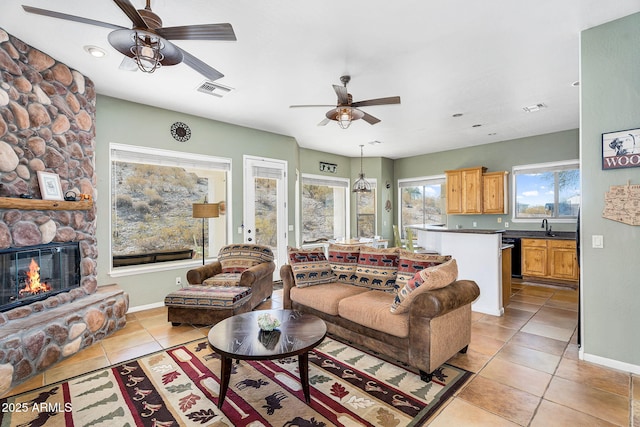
526,365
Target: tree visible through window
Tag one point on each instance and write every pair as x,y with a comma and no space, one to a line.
547,190
151,211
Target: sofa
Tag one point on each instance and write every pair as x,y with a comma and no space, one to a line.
409,307
239,280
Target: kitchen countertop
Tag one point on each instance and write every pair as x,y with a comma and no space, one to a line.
531,234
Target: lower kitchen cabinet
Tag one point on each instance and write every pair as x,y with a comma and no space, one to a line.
550,259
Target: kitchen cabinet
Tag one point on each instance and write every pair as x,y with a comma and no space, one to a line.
464,190
495,191
550,259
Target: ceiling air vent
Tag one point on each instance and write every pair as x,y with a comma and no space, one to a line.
214,89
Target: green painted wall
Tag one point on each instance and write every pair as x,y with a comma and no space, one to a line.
136,124
610,87
499,156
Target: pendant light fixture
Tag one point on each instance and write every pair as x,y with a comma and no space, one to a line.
361,185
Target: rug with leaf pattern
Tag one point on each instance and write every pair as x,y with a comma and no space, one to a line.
179,387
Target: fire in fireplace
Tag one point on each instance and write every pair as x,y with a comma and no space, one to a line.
36,272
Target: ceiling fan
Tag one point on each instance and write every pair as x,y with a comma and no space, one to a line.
147,42
347,111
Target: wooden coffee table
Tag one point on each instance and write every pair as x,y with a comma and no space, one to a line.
239,337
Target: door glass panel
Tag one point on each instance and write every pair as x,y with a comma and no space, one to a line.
266,212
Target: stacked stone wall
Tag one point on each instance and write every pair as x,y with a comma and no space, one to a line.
47,123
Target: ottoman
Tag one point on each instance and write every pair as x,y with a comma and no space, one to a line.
206,305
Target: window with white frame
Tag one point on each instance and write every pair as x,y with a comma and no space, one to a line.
422,201
366,211
152,193
546,190
325,208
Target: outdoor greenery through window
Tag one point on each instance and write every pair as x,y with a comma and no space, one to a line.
152,192
422,201
550,190
324,208
366,212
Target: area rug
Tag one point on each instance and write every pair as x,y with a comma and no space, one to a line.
179,387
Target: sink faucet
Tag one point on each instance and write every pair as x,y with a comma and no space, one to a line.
546,226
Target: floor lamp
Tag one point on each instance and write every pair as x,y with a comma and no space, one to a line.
205,210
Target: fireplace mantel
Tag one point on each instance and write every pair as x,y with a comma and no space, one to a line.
36,204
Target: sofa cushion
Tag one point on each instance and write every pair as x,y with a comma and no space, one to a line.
377,268
237,258
310,267
435,277
371,309
409,263
344,261
223,279
324,298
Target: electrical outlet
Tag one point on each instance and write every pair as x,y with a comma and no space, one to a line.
506,225
475,224
178,281
499,220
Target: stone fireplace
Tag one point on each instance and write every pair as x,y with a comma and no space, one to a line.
47,123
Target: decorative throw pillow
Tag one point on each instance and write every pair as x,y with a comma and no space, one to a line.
310,267
344,261
430,278
410,263
377,268
237,258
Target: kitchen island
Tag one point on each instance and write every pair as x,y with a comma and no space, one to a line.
478,253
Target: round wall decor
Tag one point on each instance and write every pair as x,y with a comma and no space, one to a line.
180,131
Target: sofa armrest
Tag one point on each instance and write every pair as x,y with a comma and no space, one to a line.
253,274
437,302
286,274
198,275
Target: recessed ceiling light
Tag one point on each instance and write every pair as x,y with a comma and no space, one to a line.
457,115
476,126
533,108
95,51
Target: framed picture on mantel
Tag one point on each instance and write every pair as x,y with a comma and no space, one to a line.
50,188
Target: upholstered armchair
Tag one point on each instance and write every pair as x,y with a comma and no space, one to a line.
240,279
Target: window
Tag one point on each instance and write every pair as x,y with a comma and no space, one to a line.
548,190
325,208
422,201
366,212
152,192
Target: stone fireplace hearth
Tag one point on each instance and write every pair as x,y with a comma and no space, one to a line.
47,123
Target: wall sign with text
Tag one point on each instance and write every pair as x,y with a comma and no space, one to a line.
620,149
328,167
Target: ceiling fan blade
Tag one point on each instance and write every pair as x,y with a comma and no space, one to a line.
377,101
343,96
369,118
59,15
324,122
199,32
204,69
305,106
132,13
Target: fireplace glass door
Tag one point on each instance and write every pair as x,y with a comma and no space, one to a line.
36,272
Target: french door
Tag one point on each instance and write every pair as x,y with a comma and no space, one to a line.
265,206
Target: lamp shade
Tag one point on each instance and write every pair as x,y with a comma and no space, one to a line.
206,210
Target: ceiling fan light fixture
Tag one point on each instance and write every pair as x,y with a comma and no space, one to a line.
147,51
345,117
361,185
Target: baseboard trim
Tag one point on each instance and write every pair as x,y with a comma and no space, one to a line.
145,307
610,363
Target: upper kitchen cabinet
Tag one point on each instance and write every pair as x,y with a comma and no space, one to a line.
473,191
495,192
464,190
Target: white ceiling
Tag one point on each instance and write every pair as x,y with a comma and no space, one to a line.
484,59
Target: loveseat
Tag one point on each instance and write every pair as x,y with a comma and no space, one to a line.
407,306
239,280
